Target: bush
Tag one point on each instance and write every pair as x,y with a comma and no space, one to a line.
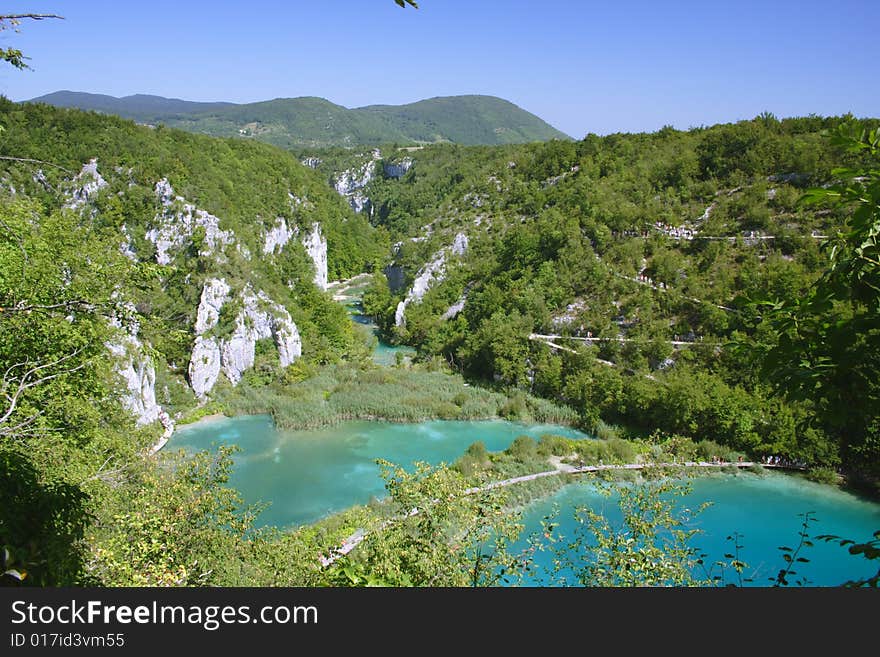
549,445
523,449
604,431
621,451
513,408
706,450
824,475
478,451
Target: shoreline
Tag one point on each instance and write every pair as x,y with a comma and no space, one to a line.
207,419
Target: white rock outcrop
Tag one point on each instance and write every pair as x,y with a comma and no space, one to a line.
349,183
176,223
136,369
434,271
87,183
398,169
126,248
204,365
314,243
278,236
460,244
455,308
139,375
214,294
705,216
316,246
259,318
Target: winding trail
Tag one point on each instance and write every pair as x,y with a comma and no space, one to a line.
676,343
358,536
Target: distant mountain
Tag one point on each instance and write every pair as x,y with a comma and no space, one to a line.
140,107
316,122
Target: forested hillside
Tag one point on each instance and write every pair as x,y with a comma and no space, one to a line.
648,255
142,270
311,122
672,287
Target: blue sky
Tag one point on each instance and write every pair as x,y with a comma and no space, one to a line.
583,66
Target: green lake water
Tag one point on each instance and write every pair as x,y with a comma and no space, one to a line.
307,475
383,353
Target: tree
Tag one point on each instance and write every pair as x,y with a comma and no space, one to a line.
442,534
827,344
404,3
649,547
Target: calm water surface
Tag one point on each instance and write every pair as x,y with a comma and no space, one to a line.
765,510
307,475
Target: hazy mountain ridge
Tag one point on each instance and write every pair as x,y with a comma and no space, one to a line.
315,122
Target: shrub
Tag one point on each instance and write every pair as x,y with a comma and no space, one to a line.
621,451
549,444
824,475
604,431
523,449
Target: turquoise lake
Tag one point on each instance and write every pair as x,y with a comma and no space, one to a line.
307,475
763,509
383,353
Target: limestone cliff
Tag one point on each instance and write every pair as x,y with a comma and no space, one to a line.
351,182
86,185
398,169
316,246
433,272
278,236
258,318
137,371
174,226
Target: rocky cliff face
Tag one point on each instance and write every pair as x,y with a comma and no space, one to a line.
455,308
349,183
316,246
138,373
259,318
175,224
204,363
398,169
434,271
396,277
278,236
314,243
86,185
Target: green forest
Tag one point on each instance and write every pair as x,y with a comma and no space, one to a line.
711,293
724,274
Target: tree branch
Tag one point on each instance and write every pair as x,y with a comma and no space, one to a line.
34,17
31,160
30,379
20,307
